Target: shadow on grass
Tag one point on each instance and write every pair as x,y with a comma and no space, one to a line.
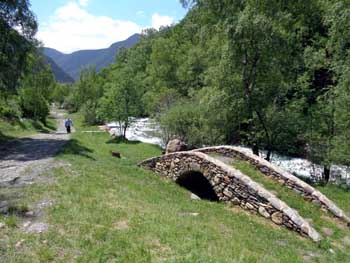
29,149
43,128
118,140
30,125
75,148
4,138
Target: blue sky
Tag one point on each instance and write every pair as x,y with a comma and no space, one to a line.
70,25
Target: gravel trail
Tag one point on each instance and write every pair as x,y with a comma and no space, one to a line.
23,160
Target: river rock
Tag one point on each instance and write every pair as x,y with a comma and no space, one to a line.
176,145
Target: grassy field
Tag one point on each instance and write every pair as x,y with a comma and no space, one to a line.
15,129
109,210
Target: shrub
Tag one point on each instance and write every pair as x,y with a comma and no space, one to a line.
10,108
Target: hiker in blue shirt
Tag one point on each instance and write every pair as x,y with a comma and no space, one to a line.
68,123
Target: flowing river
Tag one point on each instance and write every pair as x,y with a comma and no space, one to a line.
148,131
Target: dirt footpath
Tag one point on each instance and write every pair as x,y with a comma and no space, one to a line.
22,160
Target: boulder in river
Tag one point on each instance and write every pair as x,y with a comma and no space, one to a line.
176,145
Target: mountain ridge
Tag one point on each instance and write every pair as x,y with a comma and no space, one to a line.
60,75
72,63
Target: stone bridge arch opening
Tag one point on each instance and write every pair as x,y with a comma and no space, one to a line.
196,183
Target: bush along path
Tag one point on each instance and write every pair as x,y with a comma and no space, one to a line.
23,162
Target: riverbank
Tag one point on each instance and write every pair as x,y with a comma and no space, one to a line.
148,131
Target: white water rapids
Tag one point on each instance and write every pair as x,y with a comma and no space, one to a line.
148,131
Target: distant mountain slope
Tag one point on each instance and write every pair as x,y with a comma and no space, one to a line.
60,75
101,58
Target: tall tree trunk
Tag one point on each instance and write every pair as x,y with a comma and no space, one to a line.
125,128
268,155
326,173
256,149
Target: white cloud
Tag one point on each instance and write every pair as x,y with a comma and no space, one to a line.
83,2
72,28
159,21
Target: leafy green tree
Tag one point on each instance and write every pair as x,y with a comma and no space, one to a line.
61,92
341,148
85,95
120,102
17,29
338,47
36,88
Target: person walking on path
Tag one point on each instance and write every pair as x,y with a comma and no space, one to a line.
68,123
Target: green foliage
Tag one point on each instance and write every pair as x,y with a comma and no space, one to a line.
341,150
36,89
10,108
199,120
60,93
120,102
25,82
84,95
11,221
33,105
183,121
15,45
88,112
271,75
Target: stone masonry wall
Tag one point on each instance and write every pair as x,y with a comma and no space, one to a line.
284,178
231,186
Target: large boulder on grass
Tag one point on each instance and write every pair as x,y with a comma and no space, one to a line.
176,145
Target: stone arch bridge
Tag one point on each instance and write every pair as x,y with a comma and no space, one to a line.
204,171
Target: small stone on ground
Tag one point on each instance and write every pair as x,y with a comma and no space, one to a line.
346,241
189,214
121,225
328,232
36,228
195,197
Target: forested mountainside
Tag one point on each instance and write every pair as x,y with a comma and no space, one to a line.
73,63
60,75
271,75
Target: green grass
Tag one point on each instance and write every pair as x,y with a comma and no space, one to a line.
340,196
319,218
16,129
109,210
